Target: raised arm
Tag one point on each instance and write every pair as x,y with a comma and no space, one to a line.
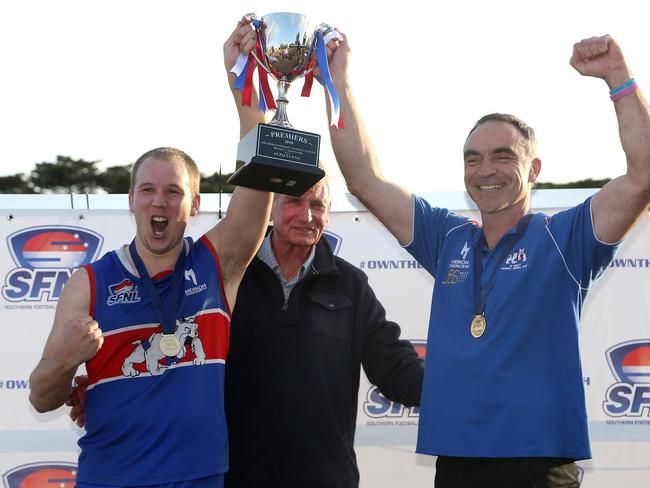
358,161
242,40
74,339
619,203
238,236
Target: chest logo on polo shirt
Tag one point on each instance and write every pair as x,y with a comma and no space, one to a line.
123,292
458,269
516,260
190,276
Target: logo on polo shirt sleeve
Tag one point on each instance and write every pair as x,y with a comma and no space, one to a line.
458,270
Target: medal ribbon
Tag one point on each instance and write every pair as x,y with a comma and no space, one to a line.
266,96
167,316
244,68
326,78
480,294
309,79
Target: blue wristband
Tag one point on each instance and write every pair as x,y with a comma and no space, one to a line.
622,87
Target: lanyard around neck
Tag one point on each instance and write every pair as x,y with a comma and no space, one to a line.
167,316
480,294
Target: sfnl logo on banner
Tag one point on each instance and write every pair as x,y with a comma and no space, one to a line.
41,475
383,411
630,365
45,257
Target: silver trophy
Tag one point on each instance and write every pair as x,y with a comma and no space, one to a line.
276,157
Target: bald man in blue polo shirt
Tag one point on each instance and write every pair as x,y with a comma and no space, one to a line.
503,400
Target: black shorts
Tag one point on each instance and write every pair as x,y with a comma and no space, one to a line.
459,472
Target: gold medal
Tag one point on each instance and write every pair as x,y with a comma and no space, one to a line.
478,326
169,345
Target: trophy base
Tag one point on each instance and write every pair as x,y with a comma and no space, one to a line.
278,159
275,176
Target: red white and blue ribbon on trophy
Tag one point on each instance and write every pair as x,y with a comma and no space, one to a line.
245,66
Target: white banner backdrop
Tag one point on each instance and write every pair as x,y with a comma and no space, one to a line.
615,341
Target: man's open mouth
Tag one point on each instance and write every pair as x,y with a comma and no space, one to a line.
159,224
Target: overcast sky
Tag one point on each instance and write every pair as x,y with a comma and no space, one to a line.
108,80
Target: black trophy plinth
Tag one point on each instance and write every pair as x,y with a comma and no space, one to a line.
278,159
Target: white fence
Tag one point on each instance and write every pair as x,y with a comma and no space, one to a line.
38,447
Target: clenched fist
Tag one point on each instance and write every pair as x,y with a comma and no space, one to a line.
600,57
82,338
242,40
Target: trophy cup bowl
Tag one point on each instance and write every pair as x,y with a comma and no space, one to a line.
276,157
288,45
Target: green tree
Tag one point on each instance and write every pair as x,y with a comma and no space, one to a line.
116,179
17,184
216,183
66,175
588,183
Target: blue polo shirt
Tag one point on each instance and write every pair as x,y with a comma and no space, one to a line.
517,391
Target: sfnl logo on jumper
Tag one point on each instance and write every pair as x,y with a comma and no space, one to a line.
630,365
45,257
